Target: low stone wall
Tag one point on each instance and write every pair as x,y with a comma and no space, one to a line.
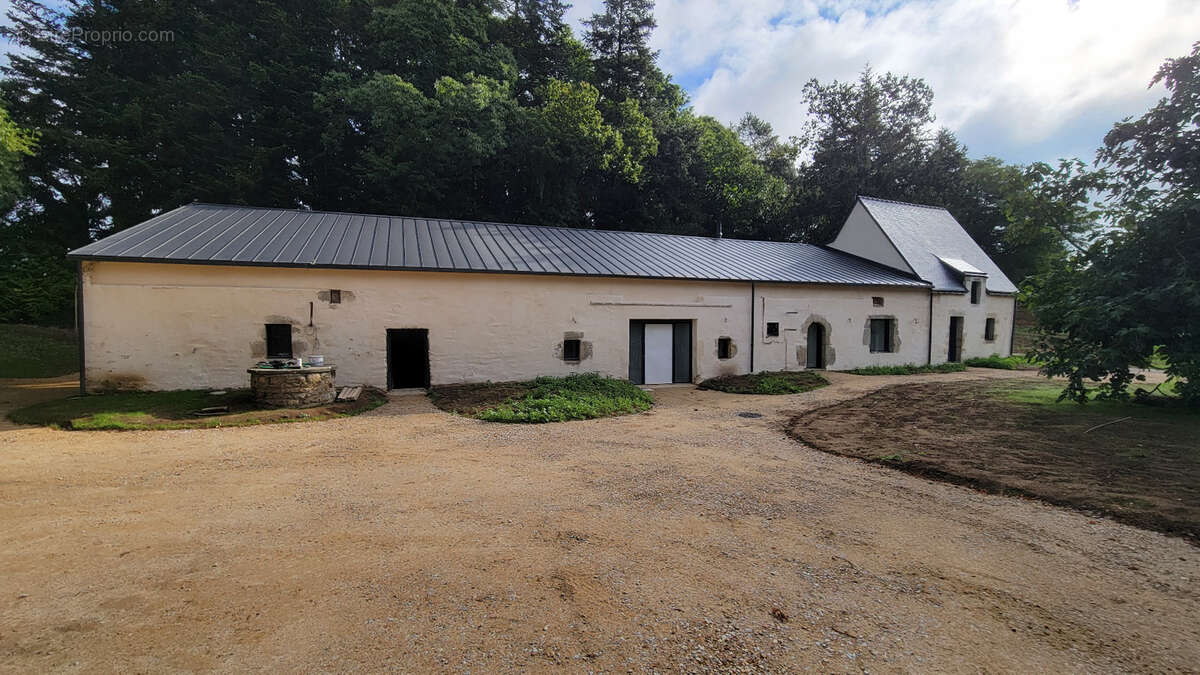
293,387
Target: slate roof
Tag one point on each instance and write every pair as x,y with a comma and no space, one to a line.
237,235
925,235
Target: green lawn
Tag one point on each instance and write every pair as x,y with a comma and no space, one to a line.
155,410
767,383
909,369
36,351
545,399
1045,395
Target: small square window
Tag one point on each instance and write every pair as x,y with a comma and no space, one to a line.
724,348
881,335
876,301
976,287
335,296
989,329
772,329
571,350
279,341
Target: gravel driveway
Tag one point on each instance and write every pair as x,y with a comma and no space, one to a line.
687,538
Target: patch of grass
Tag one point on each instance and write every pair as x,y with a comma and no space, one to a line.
766,383
37,351
545,399
1045,396
160,410
1002,362
909,369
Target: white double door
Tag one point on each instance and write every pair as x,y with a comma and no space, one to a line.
660,352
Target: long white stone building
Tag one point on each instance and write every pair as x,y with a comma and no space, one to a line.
191,298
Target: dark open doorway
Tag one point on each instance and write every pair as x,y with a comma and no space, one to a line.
956,335
408,358
816,346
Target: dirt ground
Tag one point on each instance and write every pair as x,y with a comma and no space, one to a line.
1144,470
471,399
688,538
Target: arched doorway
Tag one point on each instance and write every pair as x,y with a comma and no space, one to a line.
816,346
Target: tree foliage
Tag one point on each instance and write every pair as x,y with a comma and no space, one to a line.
1135,290
619,37
869,137
484,109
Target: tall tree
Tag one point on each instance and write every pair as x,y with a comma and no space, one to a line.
619,37
872,137
777,157
399,150
15,145
35,280
543,45
210,101
1155,159
1135,291
417,108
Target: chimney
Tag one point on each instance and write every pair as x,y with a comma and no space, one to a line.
720,232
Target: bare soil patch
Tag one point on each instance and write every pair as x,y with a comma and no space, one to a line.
472,399
1144,470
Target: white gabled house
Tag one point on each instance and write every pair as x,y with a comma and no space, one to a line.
192,297
929,243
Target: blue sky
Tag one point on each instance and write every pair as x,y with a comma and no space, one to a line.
1024,80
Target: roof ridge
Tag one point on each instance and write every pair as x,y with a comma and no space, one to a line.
487,222
897,201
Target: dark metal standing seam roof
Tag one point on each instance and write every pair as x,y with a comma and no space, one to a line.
236,235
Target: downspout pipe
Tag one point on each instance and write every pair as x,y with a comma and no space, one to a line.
1012,329
929,356
79,327
752,301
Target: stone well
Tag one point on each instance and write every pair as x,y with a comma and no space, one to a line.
293,387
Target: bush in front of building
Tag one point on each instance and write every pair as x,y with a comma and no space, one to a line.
779,382
909,369
1001,362
560,399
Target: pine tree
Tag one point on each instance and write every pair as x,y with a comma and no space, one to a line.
620,40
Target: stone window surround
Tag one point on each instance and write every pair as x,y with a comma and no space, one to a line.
894,325
731,348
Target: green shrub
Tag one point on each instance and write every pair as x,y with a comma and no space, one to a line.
997,361
575,397
909,369
766,383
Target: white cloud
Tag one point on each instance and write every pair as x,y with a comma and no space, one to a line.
1005,74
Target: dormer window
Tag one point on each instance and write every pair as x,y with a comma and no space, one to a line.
976,291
